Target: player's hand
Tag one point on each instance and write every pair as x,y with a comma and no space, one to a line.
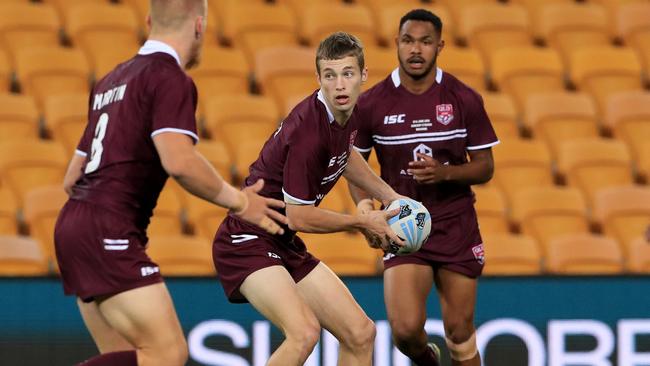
427,170
375,223
260,212
365,205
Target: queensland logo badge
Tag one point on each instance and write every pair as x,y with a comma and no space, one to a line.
479,253
445,113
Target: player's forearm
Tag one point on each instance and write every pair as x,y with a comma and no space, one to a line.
357,193
310,219
73,173
358,173
473,172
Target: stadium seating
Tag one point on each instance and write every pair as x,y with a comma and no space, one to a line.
66,117
338,199
623,212
457,7
21,256
509,254
62,7
25,24
345,253
503,115
627,115
204,217
639,259
8,210
45,71
633,23
465,64
524,71
556,117
245,152
18,117
181,255
643,162
491,209
6,70
24,167
534,9
217,153
549,212
352,18
592,164
40,211
166,219
584,254
380,63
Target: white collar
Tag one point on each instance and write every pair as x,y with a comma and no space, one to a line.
152,46
321,98
397,81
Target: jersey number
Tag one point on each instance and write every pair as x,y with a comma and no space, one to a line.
97,148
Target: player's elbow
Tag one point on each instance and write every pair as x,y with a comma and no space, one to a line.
176,166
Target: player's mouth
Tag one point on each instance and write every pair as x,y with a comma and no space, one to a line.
416,62
342,99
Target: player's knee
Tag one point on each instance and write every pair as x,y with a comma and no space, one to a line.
175,353
459,329
305,337
405,329
361,335
463,350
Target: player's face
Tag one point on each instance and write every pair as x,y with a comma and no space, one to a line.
418,45
340,80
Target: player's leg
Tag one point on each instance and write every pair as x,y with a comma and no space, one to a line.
406,287
105,337
338,312
457,294
274,294
146,318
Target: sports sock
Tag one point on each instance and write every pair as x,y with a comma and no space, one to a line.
123,358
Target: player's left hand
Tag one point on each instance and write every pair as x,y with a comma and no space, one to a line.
427,170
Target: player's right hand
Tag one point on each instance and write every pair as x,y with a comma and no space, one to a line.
260,212
375,225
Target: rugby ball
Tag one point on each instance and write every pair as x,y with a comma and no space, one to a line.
412,224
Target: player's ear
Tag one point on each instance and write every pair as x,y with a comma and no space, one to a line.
364,74
318,76
148,21
199,26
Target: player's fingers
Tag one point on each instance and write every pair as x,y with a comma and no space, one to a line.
278,217
425,157
258,185
391,213
274,203
270,226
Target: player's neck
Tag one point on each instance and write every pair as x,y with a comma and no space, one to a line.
418,86
174,43
342,118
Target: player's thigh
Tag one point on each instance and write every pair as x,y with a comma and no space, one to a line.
406,288
274,293
457,294
106,338
145,316
333,304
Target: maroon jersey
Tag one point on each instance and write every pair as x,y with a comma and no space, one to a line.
305,157
444,122
146,95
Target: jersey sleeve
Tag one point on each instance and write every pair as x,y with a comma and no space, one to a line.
304,167
480,133
174,106
364,142
83,147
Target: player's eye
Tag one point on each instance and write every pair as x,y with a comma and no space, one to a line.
348,74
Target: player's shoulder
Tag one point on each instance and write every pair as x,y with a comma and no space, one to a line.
377,93
461,90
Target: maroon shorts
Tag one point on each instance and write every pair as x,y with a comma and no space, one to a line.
100,253
240,249
454,243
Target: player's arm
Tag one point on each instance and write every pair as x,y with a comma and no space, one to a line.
368,184
478,170
73,173
184,163
361,198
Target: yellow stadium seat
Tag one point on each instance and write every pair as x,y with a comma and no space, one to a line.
633,23
8,210
28,25
380,63
94,26
255,26
45,71
638,258
24,167
511,255
549,212
66,117
584,254
523,71
227,117
217,153
166,219
561,116
346,254
387,15
21,256
285,72
6,71
222,71
491,26
18,117
613,5
570,26
592,164
204,217
457,7
40,211
623,212
465,64
491,209
521,164
181,255
503,115
534,8
246,151
643,162
63,6
603,71
627,115
351,18
338,199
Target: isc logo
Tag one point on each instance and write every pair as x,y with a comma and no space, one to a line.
394,119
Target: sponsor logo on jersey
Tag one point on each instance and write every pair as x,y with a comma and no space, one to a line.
394,119
479,254
445,113
422,149
148,271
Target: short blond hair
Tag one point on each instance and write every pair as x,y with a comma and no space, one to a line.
171,14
